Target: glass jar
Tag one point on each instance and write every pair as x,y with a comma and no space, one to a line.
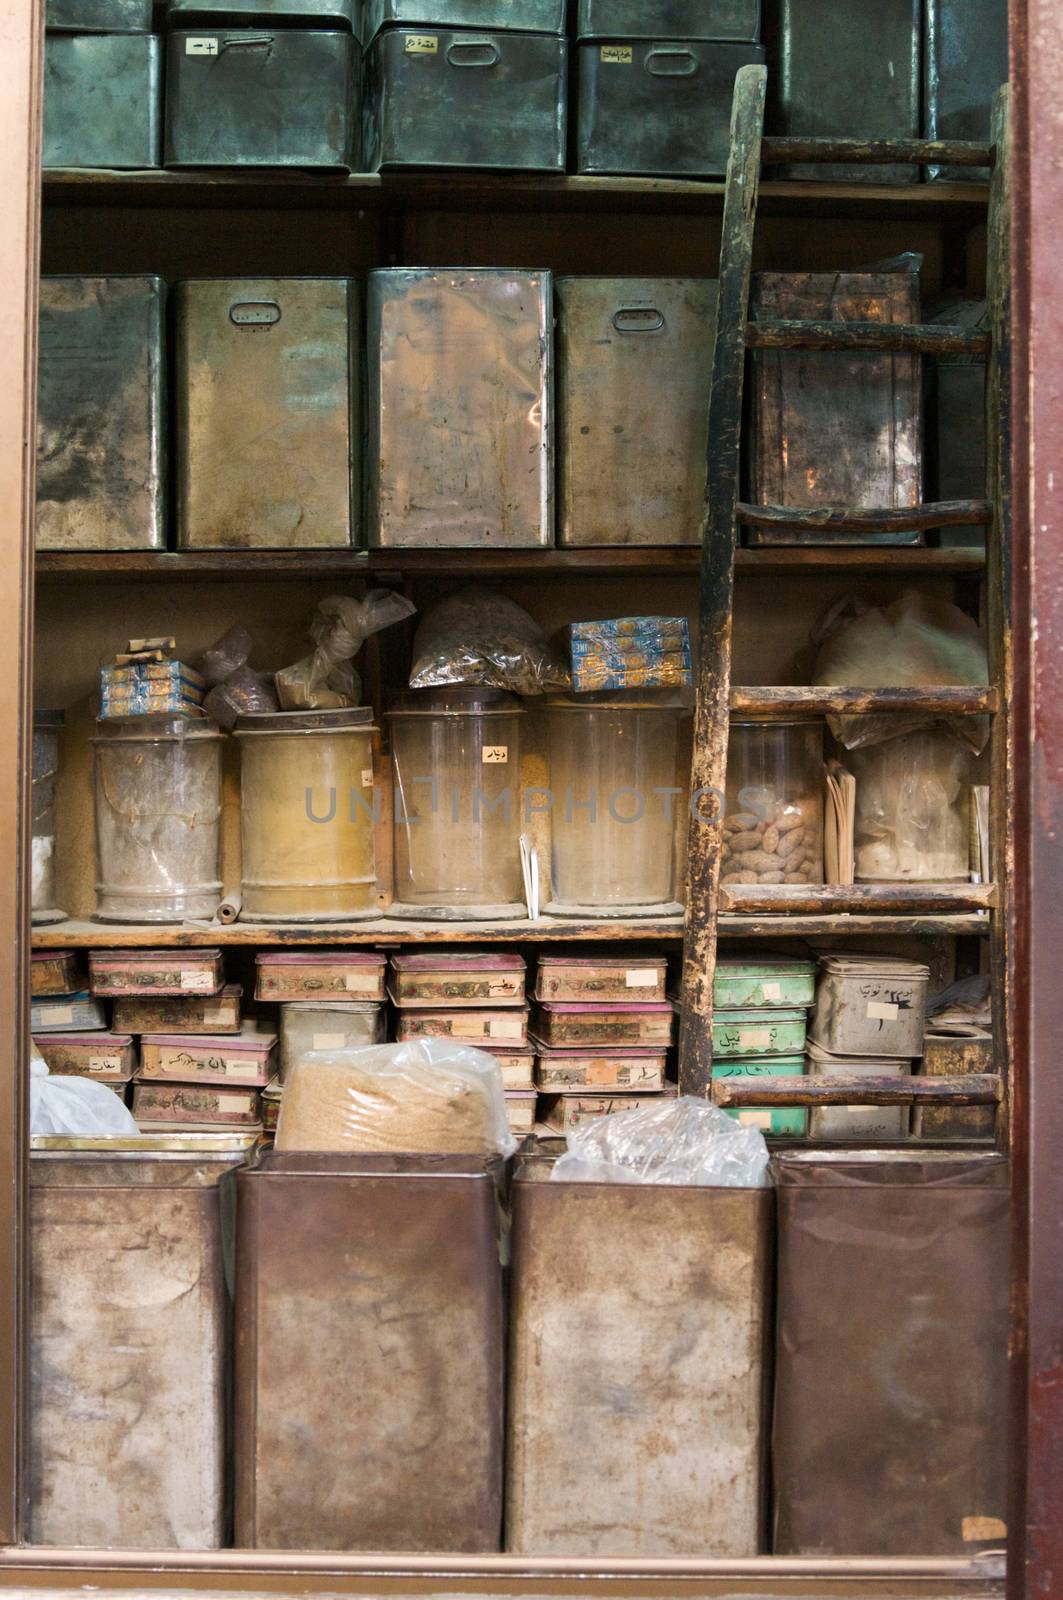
618,775
307,815
456,763
46,731
773,821
158,818
913,798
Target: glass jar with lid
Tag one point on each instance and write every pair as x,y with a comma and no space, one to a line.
913,800
47,727
773,819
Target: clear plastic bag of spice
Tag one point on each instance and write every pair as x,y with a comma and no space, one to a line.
682,1142
478,639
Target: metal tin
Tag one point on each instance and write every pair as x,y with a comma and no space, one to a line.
128,1343
414,1446
98,16
72,1013
267,413
965,61
790,1122
858,1124
669,19
216,1013
327,1025
480,1025
457,979
955,1051
248,1058
206,1106
516,1064
281,97
315,974
461,99
661,109
55,972
848,70
870,1006
460,411
100,410
102,100
764,984
265,13
108,1057
634,975
775,1031
891,1393
634,361
521,16
156,972
958,421
570,1071
605,1022
833,428
520,1110
637,1377
563,1112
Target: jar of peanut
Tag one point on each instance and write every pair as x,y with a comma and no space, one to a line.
773,824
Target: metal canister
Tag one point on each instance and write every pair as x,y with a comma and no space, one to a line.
767,983
454,98
369,1348
790,1122
634,362
460,409
100,408
891,1390
98,16
268,424
759,1031
834,429
858,1124
290,97
669,19
965,61
660,109
128,1341
870,1006
638,1324
955,1050
957,421
522,16
259,13
848,70
102,100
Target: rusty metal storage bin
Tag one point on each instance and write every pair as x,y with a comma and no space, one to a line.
102,100
637,1386
634,362
307,815
669,19
268,430
891,1414
249,98
98,16
158,819
369,1354
47,726
460,408
965,61
834,429
100,414
847,69
773,819
659,110
522,16
128,1336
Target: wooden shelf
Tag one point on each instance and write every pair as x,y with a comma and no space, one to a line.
844,1089
905,899
824,701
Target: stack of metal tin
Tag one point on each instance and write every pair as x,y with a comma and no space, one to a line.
102,85
759,1026
69,1027
869,1021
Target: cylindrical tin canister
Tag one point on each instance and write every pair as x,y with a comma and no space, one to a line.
307,815
158,819
456,766
639,1322
913,809
128,1342
773,823
617,782
46,731
308,1025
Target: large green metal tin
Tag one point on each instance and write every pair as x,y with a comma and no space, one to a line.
775,1121
764,984
756,1031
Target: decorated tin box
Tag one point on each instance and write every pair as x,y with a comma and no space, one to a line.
110,1057
70,1013
55,972
561,1113
623,1070
201,1105
314,974
457,980
216,1013
764,984
249,1057
605,1023
157,972
595,978
481,1026
520,1109
759,1032
775,1121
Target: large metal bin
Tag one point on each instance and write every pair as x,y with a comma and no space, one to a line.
454,98
290,97
368,1396
522,16
965,61
634,362
660,109
891,1415
637,1369
460,408
669,19
268,431
100,397
830,428
98,16
847,69
128,1336
102,100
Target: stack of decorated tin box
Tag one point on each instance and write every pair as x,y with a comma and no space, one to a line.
869,1021
603,1029
759,1027
69,1026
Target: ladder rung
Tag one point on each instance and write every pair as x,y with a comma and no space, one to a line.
857,899
835,1089
844,700
887,519
894,337
875,152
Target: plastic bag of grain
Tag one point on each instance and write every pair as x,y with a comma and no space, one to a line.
423,1097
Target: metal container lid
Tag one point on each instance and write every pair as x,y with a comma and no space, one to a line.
316,14
766,967
252,1043
773,1015
98,1041
554,1054
348,719
305,958
44,721
145,1146
152,728
454,702
166,958
348,1008
769,719
565,1007
625,962
454,961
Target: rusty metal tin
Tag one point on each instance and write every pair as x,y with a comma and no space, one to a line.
635,975
859,1124
757,1031
102,100
669,19
955,1051
55,972
563,1112
216,1013
870,1006
847,70
576,1071
170,973
605,1022
100,414
637,1387
634,361
520,1110
414,1446
891,1393
215,1105
267,413
319,974
460,409
453,979
128,1343
965,61
521,16
70,1013
248,1058
98,16
108,1057
328,1024
481,1025
516,1063
834,429
660,109
774,1122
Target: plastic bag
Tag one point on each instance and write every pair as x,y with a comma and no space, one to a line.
915,642
326,680
227,655
424,1097
479,639
75,1106
684,1141
235,687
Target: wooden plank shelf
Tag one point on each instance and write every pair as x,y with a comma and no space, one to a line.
841,1089
905,899
824,700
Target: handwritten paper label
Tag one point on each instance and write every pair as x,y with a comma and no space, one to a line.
496,755
617,55
882,1011
103,1063
641,978
503,988
754,1039
201,981
201,47
422,44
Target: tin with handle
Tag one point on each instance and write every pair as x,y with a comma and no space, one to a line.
102,100
521,16
669,19
965,61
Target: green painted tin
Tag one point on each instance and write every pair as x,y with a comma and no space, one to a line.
770,983
789,1122
758,1031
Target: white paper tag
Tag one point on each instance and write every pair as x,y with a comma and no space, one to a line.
329,1041
60,1014
367,778
882,1011
197,980
468,1028
358,983
505,1028
754,1039
976,1530
103,1064
422,44
755,1119
617,55
496,755
640,978
201,47
503,987
771,991
214,1015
